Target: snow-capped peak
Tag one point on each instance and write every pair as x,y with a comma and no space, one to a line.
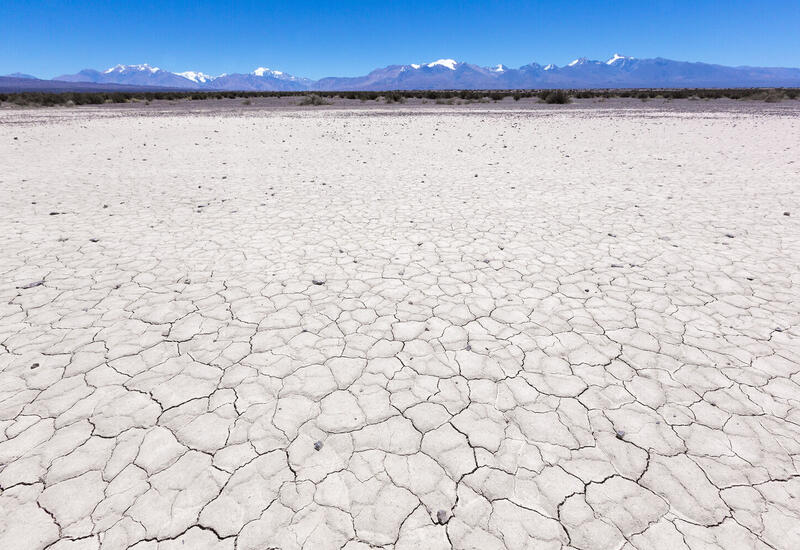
261,71
125,68
616,58
415,65
196,76
579,61
279,75
449,63
549,67
499,68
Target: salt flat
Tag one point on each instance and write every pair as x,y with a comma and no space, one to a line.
409,328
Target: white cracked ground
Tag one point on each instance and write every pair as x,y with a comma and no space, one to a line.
457,329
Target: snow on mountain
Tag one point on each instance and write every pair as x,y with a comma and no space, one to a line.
200,78
266,72
618,57
132,75
582,61
617,72
131,68
261,71
449,63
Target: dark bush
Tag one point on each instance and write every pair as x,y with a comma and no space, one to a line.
314,100
394,97
557,97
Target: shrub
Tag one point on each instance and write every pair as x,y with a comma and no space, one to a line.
394,97
557,97
313,99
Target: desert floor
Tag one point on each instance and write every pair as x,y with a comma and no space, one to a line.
440,327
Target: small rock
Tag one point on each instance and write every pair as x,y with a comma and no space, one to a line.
729,235
317,445
35,366
619,435
441,517
787,213
318,281
32,285
94,240
468,348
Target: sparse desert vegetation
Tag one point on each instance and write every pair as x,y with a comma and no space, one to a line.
555,97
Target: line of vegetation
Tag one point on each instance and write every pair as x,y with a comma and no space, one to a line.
45,99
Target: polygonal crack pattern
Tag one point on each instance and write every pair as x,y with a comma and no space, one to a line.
351,330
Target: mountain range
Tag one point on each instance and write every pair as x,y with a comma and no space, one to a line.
617,72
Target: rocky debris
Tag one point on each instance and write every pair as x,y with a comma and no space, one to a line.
441,517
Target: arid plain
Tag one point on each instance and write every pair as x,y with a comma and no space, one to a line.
468,327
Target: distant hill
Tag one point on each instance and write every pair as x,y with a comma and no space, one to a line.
617,72
10,84
261,79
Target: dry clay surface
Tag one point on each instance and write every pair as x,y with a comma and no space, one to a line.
493,330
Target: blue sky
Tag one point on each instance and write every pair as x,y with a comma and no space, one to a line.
317,39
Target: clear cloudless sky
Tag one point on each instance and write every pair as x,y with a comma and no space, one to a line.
319,38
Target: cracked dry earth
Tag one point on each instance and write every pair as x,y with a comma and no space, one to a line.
453,329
